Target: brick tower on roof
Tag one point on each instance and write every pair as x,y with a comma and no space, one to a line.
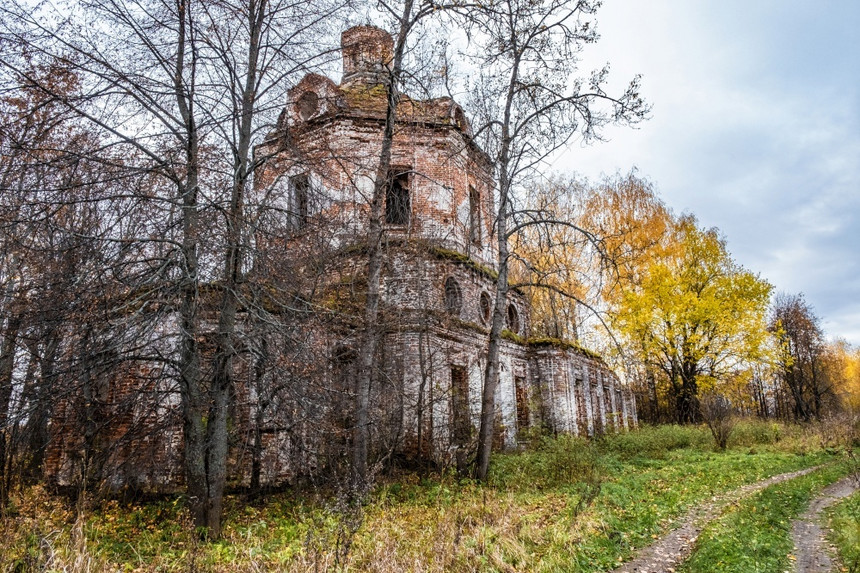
367,54
440,188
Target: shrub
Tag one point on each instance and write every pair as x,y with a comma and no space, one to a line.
754,432
654,441
719,415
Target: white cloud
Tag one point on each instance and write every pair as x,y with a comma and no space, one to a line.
756,129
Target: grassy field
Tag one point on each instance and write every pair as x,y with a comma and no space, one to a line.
568,505
755,534
844,522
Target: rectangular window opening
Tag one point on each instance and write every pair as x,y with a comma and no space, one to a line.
398,204
298,208
461,423
522,402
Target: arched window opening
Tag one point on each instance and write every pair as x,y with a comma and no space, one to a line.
298,201
344,364
460,118
522,397
513,319
461,424
453,296
485,307
308,105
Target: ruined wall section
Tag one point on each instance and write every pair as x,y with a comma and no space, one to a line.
578,393
120,427
431,358
437,343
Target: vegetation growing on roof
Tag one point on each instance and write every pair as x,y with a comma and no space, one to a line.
563,345
514,337
461,258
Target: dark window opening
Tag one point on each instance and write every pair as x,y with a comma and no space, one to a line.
513,319
461,423
453,296
460,118
522,402
308,105
485,307
474,216
581,412
298,208
397,201
344,364
595,410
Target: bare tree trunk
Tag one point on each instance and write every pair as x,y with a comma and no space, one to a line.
370,339
39,400
653,403
191,393
7,364
89,412
422,390
222,383
491,371
263,401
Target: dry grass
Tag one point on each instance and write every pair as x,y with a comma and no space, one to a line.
570,506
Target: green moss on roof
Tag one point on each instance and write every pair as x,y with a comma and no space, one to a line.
362,95
563,345
461,258
514,337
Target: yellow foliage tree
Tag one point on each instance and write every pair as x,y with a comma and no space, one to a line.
694,315
580,244
841,370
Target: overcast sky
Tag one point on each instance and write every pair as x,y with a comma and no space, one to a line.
755,129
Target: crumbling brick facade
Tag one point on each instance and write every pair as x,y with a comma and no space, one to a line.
440,266
438,289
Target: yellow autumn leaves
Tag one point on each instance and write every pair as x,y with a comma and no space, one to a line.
676,308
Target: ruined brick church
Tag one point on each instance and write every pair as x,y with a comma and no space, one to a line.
437,285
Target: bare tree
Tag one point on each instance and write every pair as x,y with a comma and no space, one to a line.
184,89
530,106
406,18
719,415
800,351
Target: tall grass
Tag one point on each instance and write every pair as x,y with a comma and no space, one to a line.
844,522
655,442
569,504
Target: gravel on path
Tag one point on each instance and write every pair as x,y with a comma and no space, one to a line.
811,550
665,554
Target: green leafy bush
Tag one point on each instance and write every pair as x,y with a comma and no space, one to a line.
753,432
655,441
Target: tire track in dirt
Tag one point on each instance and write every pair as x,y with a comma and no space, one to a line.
810,547
665,554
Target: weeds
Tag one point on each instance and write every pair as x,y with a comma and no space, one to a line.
567,463
569,504
844,522
654,442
